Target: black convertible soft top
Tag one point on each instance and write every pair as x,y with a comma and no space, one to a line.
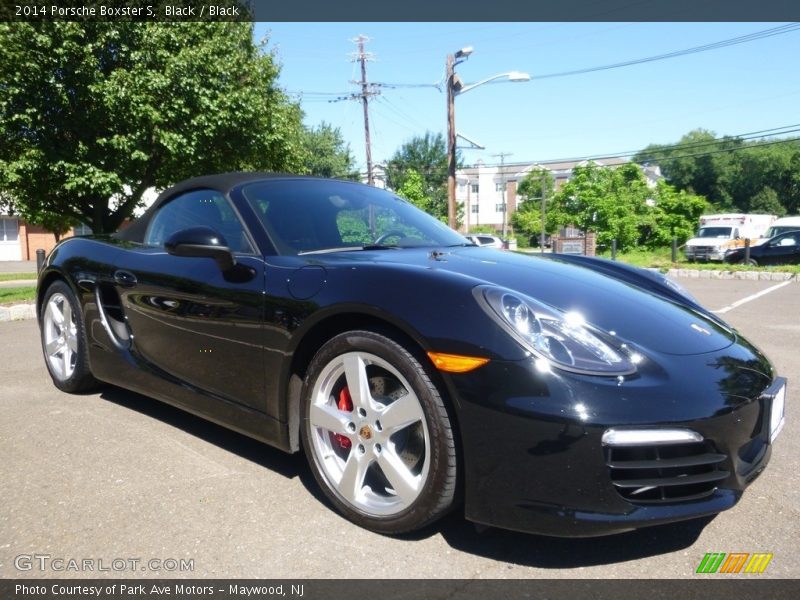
221,182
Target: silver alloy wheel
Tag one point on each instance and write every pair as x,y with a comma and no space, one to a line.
376,456
60,337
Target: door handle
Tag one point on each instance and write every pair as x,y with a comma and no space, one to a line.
125,279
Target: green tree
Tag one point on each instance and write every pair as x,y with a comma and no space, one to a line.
327,154
731,172
93,114
767,202
675,214
618,204
427,156
527,219
413,190
612,202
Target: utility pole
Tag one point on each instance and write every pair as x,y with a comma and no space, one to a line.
451,141
502,156
454,87
366,92
466,211
544,206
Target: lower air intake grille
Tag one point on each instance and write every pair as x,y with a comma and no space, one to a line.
665,473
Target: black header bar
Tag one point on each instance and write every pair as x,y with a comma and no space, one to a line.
405,11
700,587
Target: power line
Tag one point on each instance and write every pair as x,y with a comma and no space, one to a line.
401,112
666,147
503,164
388,116
661,159
694,50
750,37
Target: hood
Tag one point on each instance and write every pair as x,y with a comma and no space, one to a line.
707,241
634,315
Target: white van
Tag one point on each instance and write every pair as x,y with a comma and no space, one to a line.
719,234
783,225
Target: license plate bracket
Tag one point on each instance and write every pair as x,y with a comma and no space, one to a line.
777,408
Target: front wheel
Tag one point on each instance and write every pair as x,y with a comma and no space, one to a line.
377,434
752,262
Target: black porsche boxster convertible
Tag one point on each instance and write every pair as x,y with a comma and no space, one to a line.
417,371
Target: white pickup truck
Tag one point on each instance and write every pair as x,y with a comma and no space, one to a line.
719,234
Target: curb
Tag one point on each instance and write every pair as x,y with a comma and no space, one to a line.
746,275
17,312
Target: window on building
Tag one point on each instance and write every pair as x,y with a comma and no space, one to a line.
9,230
474,188
474,209
500,207
500,186
82,229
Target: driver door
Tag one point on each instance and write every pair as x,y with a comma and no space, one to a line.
193,324
783,250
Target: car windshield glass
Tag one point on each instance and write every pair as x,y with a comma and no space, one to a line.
714,232
773,231
308,215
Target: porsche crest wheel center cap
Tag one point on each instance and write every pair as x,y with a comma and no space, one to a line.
365,433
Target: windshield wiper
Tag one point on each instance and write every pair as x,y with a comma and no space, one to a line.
381,247
350,249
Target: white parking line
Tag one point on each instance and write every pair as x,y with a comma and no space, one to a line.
752,297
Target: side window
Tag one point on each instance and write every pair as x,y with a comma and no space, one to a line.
201,208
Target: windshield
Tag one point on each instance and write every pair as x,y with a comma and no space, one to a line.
304,216
773,231
714,232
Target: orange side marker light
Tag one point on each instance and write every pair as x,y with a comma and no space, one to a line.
455,363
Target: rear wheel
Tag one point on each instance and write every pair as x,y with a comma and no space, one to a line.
377,434
64,340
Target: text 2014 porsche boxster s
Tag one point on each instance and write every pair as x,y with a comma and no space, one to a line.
418,372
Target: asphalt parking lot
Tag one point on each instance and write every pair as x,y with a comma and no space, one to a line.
115,475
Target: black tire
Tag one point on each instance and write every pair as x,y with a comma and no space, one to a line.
752,262
411,478
74,375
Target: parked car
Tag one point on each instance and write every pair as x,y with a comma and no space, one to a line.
783,249
486,241
417,372
783,225
534,241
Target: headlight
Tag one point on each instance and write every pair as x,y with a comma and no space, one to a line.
565,340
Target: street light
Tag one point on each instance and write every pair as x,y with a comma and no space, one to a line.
454,88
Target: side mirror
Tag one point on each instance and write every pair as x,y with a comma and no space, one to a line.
201,242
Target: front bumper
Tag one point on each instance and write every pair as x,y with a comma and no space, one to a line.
534,455
705,253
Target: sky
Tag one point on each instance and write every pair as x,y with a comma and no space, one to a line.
732,90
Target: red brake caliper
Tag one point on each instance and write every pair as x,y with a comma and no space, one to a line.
345,404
